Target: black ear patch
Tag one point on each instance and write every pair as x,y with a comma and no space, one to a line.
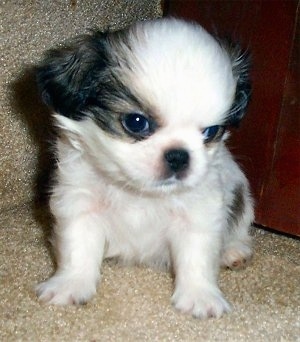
67,75
240,68
240,104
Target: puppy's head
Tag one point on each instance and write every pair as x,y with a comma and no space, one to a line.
147,106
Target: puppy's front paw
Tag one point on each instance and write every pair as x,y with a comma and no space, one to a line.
66,290
201,303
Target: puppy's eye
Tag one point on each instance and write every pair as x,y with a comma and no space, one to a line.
136,124
213,133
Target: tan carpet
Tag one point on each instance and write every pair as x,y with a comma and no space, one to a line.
132,304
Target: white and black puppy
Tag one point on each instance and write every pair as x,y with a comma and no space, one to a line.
142,170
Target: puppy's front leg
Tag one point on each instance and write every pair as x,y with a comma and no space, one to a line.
196,265
79,244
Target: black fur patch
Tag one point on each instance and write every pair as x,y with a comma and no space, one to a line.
79,81
237,207
240,68
66,77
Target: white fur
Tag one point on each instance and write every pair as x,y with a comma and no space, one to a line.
110,199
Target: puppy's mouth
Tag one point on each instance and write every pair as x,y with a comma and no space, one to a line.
170,181
171,184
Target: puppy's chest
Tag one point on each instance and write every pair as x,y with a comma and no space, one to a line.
141,228
138,224
137,230
139,216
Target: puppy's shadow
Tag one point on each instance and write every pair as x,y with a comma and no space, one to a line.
27,106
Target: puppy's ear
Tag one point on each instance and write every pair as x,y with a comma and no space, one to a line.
67,76
240,68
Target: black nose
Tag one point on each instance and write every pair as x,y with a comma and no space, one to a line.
177,160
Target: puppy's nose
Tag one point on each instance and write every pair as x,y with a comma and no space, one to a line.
177,160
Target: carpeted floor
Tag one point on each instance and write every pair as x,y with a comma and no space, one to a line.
132,304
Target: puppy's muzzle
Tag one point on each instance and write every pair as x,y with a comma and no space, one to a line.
176,162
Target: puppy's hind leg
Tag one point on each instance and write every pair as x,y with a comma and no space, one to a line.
237,243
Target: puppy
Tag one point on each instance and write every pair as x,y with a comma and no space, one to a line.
142,170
